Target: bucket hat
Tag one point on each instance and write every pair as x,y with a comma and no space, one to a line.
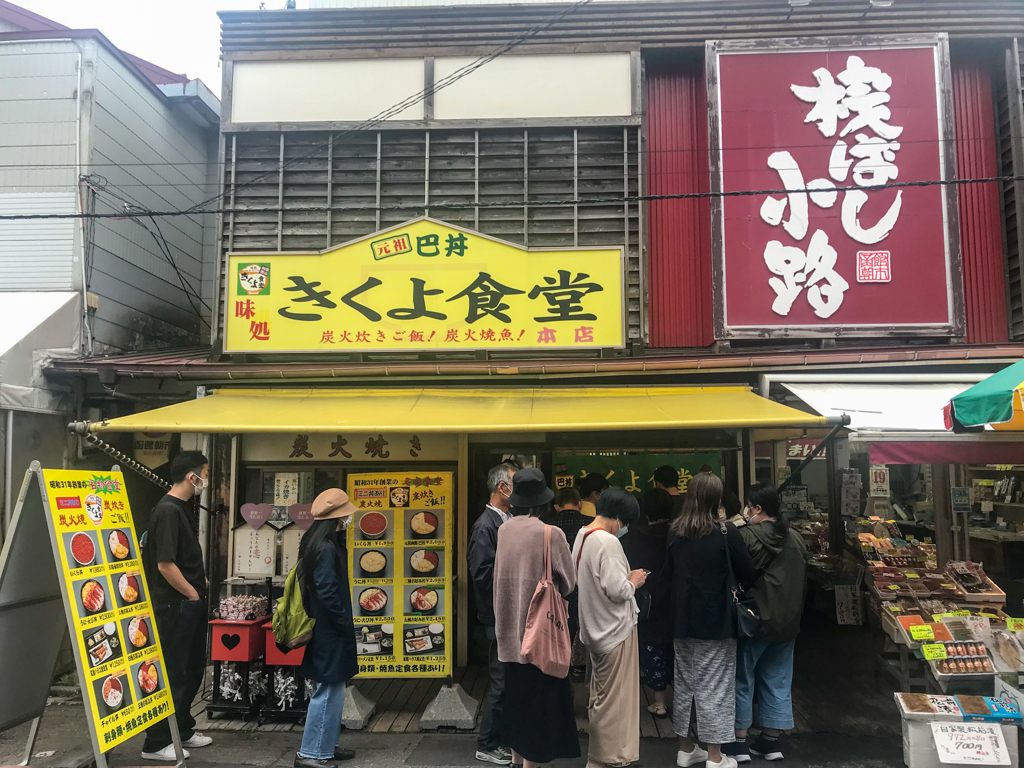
530,489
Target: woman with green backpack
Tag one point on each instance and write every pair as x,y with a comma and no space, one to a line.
330,660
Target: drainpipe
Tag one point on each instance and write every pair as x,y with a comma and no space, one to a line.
86,339
8,469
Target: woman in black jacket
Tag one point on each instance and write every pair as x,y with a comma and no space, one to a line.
645,547
703,621
330,660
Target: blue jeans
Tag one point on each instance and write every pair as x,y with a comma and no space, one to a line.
323,721
768,669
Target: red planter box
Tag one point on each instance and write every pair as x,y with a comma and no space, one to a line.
237,640
274,656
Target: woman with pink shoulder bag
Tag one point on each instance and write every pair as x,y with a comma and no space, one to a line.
539,723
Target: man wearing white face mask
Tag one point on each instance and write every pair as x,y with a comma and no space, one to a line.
177,580
483,543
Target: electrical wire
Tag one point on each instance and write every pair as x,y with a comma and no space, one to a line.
131,211
405,104
615,200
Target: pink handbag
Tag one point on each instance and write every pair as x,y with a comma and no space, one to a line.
546,642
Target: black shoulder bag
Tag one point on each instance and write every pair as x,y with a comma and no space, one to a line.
747,616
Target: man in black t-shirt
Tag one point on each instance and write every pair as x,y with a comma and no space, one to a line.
173,561
667,478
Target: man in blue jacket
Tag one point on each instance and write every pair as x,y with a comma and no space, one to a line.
483,543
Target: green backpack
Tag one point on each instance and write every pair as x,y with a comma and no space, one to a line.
293,627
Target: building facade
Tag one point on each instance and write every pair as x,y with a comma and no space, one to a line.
819,201
89,128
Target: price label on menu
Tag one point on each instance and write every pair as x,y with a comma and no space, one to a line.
400,545
1015,625
921,632
970,744
938,617
960,614
111,619
934,651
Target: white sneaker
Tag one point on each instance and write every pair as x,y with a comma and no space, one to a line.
197,740
686,759
725,762
165,755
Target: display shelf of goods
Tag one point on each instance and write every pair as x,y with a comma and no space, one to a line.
288,694
239,688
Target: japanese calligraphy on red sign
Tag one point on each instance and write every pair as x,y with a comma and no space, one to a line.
833,249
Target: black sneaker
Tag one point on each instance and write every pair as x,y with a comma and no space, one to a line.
497,756
737,750
309,762
769,749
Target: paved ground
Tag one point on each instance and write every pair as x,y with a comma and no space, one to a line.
64,734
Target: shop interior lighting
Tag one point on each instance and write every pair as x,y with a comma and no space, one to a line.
882,3
799,3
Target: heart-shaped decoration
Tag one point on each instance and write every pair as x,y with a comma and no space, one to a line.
301,515
230,641
256,514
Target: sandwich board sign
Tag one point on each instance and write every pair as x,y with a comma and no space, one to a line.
72,563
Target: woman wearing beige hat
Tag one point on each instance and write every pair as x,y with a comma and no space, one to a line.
330,660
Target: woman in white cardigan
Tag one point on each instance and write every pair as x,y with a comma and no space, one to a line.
608,614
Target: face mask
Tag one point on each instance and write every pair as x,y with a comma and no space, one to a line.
197,490
621,532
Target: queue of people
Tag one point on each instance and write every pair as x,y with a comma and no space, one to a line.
656,591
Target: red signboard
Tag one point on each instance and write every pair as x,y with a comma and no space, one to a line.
850,255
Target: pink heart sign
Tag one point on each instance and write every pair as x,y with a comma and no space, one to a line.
256,514
302,515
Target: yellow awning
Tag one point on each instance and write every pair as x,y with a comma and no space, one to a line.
466,410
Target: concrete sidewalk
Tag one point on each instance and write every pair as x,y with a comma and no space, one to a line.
64,733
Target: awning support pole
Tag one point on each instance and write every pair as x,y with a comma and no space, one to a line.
81,428
815,453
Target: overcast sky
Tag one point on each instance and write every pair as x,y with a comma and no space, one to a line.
179,35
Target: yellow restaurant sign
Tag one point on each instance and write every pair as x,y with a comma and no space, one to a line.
425,285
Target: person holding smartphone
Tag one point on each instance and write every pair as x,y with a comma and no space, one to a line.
608,615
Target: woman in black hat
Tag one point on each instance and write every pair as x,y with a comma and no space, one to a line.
539,723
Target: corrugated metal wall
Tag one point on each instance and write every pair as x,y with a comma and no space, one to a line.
653,24
36,254
374,180
1010,124
981,240
152,156
679,231
37,164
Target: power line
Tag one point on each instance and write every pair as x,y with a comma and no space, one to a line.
401,106
616,200
323,145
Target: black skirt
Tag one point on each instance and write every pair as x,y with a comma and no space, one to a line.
538,719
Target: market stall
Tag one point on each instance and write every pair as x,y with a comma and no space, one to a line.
405,458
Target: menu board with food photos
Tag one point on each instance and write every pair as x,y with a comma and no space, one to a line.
107,601
400,561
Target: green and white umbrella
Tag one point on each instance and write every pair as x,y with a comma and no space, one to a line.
998,400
